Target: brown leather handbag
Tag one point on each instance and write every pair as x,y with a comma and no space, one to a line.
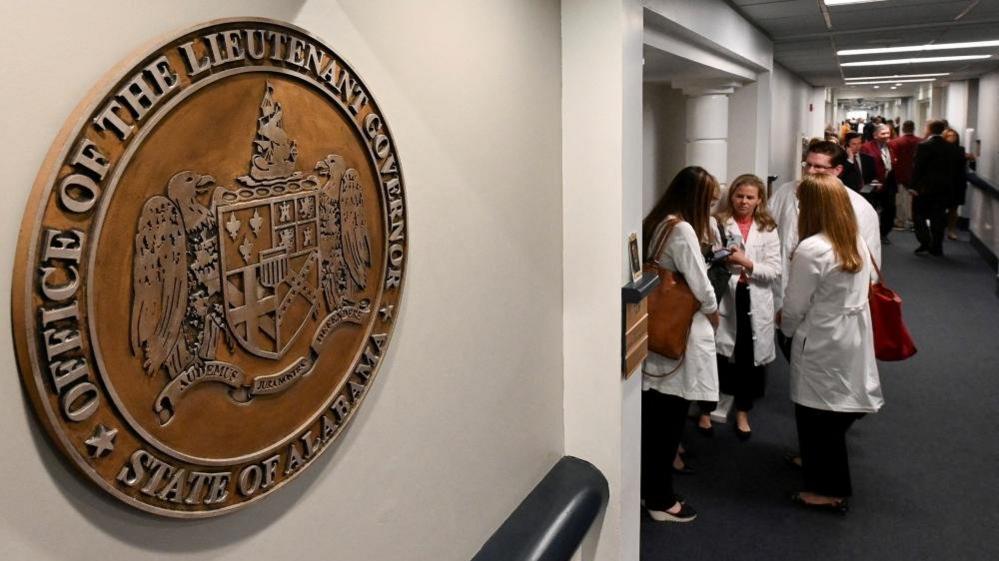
671,305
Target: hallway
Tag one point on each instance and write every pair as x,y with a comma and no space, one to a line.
925,469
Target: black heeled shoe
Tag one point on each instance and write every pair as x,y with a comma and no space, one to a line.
743,435
685,470
792,459
706,432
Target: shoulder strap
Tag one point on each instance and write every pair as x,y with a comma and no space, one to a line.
874,262
654,255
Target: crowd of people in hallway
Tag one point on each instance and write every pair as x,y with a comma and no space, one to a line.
914,183
788,271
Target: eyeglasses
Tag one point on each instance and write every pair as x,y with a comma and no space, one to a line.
806,165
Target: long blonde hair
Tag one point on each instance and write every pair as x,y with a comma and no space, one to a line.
824,207
761,215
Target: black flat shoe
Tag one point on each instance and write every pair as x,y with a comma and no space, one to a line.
707,432
743,435
840,507
921,250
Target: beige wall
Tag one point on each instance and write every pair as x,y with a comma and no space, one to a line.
466,415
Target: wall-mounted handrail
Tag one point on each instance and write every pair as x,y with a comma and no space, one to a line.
982,184
552,520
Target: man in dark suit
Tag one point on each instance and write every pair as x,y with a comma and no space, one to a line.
934,169
859,168
868,130
885,163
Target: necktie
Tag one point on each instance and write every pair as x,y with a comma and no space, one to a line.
886,157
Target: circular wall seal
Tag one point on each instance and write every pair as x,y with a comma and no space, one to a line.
209,267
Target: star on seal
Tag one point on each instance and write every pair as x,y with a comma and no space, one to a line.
386,312
102,441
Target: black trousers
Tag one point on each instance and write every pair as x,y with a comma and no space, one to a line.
931,208
663,417
740,377
885,204
822,441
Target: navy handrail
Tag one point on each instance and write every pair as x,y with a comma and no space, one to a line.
552,520
982,183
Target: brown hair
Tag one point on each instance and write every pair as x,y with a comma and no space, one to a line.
837,156
761,215
825,208
688,197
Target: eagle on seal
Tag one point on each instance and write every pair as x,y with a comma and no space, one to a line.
343,240
177,310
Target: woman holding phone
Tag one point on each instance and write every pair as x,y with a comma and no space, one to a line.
745,338
834,376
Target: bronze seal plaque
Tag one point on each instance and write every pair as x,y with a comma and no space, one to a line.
209,267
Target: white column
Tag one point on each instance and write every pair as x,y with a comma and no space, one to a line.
707,130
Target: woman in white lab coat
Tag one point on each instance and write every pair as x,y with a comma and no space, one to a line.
834,376
682,215
745,338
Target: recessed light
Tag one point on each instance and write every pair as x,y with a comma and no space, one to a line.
876,87
920,48
914,60
896,82
896,76
845,2
893,87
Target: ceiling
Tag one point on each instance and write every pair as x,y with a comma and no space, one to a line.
807,34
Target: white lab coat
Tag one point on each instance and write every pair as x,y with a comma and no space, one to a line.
784,209
826,311
697,377
763,249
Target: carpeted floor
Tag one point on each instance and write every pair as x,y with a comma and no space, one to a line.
925,469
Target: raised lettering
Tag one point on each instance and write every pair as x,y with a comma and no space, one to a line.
78,193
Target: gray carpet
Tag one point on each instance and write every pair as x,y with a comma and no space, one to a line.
925,469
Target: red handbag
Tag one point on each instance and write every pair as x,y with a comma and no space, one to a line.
892,340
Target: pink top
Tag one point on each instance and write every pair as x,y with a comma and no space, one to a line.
744,225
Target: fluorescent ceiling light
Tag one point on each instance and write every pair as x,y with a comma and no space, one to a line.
914,60
844,2
896,82
920,48
896,76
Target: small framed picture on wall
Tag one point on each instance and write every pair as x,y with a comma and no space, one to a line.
636,259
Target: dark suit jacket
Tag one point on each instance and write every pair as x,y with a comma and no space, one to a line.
851,176
873,150
937,168
904,148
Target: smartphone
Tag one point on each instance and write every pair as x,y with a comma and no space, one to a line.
720,255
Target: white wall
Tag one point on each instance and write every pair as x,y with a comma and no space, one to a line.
601,148
748,131
791,119
664,122
714,24
466,415
988,126
983,210
956,112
